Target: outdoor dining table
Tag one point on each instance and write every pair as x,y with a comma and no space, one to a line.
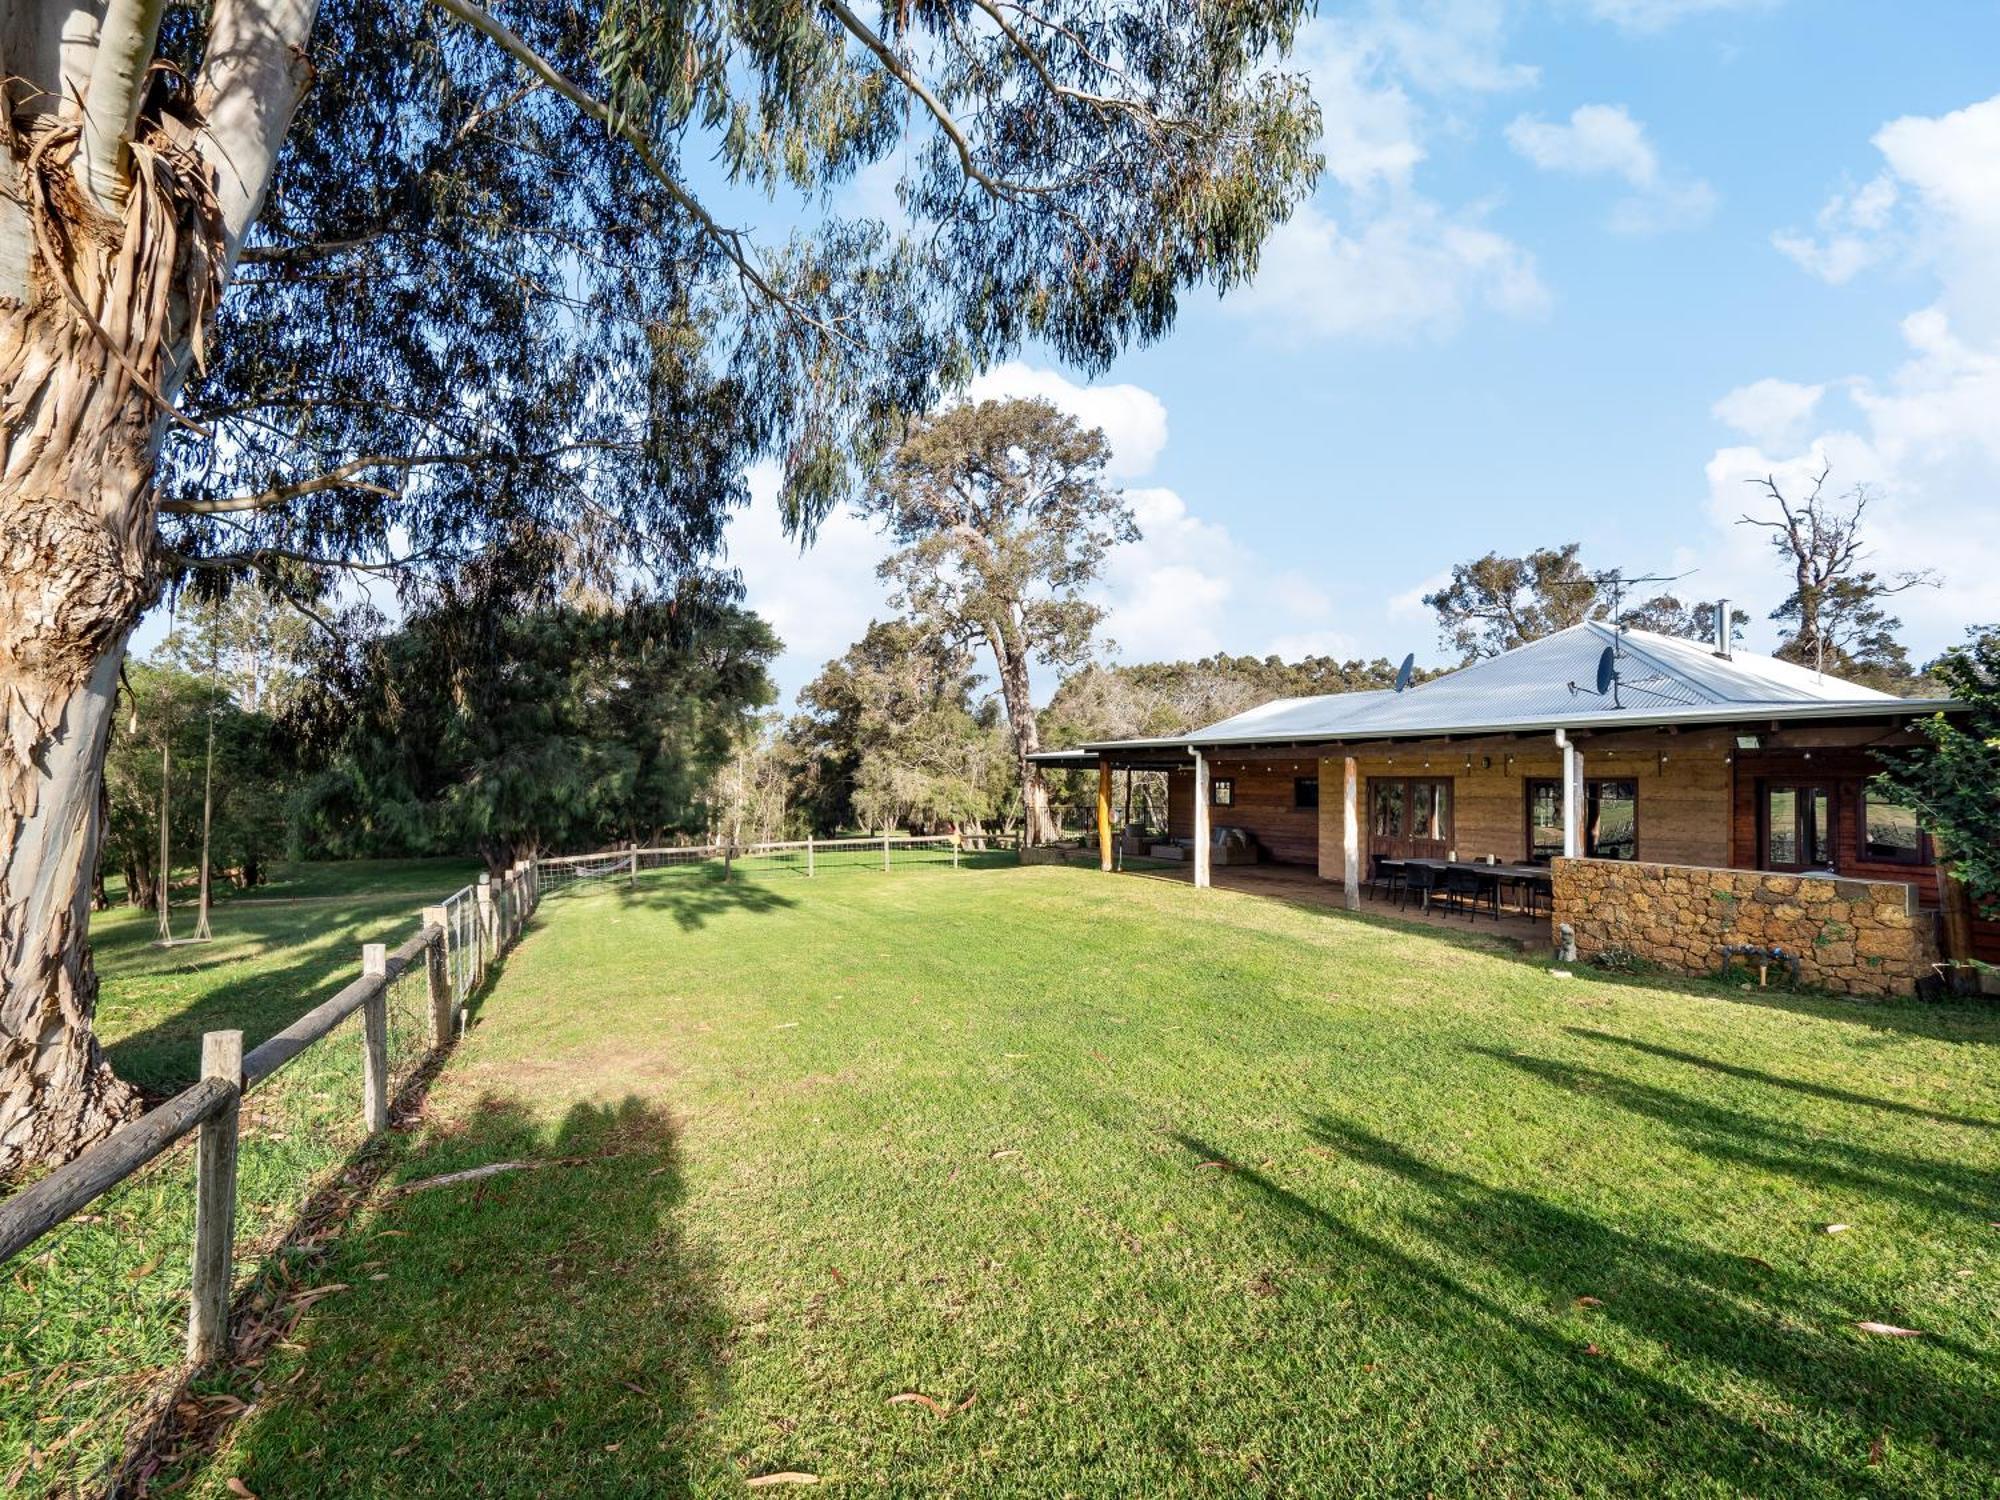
1537,876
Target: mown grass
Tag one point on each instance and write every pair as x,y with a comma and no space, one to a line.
278,951
1152,1192
93,1318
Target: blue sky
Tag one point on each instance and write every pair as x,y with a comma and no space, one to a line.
1577,268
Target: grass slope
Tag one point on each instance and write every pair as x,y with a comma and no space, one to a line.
279,951
93,1318
1159,1192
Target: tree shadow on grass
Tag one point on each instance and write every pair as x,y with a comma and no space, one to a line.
1495,1274
1779,1081
695,897
1974,1020
542,1331
164,1057
1822,1159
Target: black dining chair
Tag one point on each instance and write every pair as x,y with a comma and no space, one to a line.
1420,882
1468,891
1385,876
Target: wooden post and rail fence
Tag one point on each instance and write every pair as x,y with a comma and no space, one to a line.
210,1109
456,944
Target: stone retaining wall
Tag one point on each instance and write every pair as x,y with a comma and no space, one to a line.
1859,937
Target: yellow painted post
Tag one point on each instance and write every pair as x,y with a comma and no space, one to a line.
1104,814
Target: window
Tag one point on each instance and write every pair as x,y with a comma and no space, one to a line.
1889,833
1798,827
1610,819
1387,817
1403,814
1222,791
1545,819
1305,792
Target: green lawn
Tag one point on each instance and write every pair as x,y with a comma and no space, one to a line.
93,1318
278,951
1150,1191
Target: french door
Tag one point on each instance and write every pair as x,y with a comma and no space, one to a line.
1798,825
1409,817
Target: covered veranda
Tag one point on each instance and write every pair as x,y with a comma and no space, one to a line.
1302,887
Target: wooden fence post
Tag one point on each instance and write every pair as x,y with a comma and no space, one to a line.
632,871
489,929
885,854
954,848
437,973
809,856
215,1204
375,1041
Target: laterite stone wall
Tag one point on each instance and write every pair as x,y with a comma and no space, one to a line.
1858,937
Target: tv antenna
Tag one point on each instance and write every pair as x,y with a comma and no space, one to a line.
1617,583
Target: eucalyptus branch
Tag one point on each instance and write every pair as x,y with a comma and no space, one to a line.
730,242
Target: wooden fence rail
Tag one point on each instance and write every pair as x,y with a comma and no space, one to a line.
456,954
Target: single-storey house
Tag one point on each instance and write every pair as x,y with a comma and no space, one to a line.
1683,796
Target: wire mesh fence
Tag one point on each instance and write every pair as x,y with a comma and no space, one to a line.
95,1324
95,1313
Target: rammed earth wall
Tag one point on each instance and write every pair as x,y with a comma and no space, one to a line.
1860,937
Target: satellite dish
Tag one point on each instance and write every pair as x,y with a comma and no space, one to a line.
1607,671
1406,671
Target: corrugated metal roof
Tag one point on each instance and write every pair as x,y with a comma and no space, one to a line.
1661,679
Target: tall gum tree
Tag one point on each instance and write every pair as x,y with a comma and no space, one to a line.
291,286
1003,519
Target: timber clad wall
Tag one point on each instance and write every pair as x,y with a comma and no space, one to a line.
1265,792
1683,783
1855,936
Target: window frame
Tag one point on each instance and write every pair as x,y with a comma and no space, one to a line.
1919,855
1590,785
1804,790
1222,791
1300,801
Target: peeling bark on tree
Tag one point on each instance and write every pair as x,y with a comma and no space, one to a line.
82,366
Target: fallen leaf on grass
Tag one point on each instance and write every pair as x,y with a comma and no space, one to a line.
839,1279
941,1412
1590,1302
1878,1449
1592,1349
1220,1166
787,1026
1759,1262
996,1155
238,1487
1836,1229
307,1298
786,1476
140,1273
1890,1330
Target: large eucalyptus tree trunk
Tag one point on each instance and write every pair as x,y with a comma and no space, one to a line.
115,237
1010,656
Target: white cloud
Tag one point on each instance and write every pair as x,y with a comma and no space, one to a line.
1408,271
1656,15
819,600
1770,412
1133,418
1853,233
1372,256
1935,203
1924,444
1923,437
1604,140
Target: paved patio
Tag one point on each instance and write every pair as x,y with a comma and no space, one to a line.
1296,883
